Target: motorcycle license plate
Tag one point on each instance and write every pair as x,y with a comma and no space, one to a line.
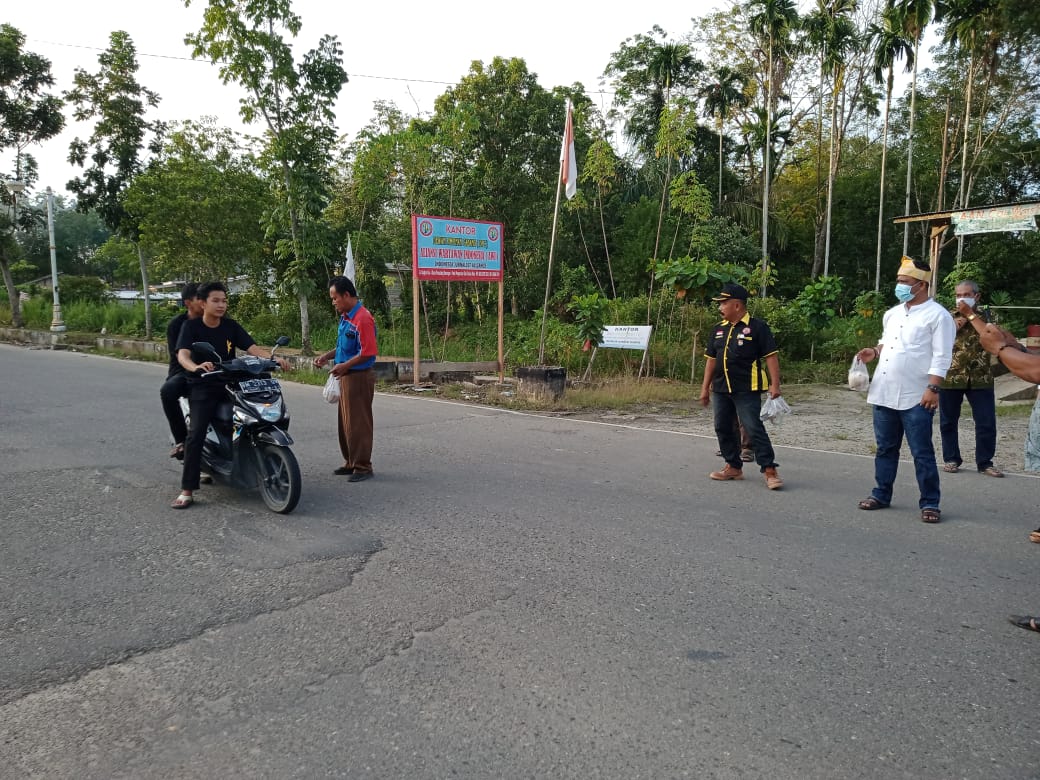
259,385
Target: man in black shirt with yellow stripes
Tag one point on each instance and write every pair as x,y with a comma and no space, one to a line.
734,374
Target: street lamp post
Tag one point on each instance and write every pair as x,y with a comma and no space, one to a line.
57,323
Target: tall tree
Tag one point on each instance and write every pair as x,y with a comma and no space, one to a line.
889,43
117,103
840,40
601,168
721,95
972,26
645,72
28,115
916,15
512,152
199,205
771,21
297,105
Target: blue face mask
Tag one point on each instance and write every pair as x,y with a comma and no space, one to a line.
905,292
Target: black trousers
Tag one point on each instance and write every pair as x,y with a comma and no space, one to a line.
173,389
743,406
203,405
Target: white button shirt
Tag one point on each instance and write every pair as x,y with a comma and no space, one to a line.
917,342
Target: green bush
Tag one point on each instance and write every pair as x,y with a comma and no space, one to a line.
37,312
83,288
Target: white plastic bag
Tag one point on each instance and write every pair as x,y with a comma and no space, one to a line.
774,409
859,377
331,391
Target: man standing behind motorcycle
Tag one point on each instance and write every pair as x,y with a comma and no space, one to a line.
355,354
225,335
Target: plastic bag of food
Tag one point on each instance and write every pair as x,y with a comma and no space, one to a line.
774,409
331,391
859,377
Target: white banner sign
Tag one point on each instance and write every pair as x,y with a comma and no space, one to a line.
626,336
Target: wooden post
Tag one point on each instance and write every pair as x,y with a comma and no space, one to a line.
415,327
501,329
588,369
935,250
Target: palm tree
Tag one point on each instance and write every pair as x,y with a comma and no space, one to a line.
645,72
835,32
916,14
890,43
724,93
773,21
671,61
972,26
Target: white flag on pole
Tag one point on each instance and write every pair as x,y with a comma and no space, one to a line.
348,266
568,163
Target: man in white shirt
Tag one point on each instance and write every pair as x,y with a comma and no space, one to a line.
914,354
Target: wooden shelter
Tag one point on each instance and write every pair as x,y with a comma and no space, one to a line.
1000,218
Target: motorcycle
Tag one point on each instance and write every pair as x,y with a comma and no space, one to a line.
248,443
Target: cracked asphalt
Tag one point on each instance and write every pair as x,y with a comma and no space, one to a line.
512,596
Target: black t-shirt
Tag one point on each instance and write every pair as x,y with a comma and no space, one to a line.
173,332
225,337
739,351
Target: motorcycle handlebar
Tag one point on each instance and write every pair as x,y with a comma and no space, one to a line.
222,369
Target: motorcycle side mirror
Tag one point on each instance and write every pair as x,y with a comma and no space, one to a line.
282,341
204,348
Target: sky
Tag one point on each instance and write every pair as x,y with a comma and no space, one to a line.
406,52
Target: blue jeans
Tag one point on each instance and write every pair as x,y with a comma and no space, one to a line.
728,407
890,425
983,411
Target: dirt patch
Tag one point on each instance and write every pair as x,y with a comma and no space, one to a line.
823,417
833,419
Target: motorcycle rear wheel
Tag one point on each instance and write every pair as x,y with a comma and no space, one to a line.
278,478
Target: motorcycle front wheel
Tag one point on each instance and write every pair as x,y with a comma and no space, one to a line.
278,478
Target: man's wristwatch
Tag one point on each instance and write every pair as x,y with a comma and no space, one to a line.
972,316
934,388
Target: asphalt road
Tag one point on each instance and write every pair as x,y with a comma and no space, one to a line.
513,596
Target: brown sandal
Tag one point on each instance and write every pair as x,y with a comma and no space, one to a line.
870,503
1026,621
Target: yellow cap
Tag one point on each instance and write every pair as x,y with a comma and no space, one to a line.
907,268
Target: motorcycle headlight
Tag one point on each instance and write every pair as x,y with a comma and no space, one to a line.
268,412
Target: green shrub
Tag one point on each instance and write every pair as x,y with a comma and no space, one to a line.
82,288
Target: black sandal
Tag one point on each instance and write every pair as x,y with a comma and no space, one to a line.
870,503
1027,622
930,515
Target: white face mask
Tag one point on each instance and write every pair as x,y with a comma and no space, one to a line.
969,301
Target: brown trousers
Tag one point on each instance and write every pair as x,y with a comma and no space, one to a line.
356,391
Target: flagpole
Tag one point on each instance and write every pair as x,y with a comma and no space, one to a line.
548,275
568,176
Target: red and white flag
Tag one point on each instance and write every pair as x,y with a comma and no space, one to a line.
568,163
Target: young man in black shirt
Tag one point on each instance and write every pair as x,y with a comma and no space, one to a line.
176,385
226,336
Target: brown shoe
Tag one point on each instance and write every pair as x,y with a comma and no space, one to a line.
727,473
773,481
